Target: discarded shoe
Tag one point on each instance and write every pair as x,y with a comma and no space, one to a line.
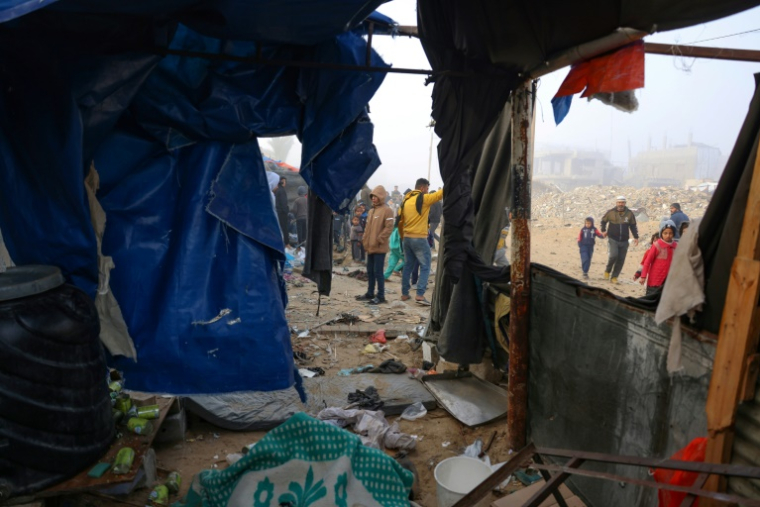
365,297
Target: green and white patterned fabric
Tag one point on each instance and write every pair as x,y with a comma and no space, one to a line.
305,463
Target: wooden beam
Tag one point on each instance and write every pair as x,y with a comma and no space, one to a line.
740,55
517,390
737,340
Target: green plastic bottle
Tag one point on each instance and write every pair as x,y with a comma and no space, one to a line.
140,426
123,462
159,495
149,412
174,482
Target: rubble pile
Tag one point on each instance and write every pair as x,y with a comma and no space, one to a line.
646,203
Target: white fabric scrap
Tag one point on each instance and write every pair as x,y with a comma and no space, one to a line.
219,317
113,328
683,293
372,427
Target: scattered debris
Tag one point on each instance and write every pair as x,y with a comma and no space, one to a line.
414,411
646,203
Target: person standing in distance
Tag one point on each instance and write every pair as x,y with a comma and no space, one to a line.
301,212
678,217
414,216
621,223
282,208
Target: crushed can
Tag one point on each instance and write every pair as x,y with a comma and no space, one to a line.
118,416
140,426
123,403
159,495
174,482
123,462
148,412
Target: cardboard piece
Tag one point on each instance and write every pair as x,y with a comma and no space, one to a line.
518,498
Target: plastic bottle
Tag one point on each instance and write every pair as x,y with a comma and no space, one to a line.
174,482
159,495
149,412
140,426
123,462
123,403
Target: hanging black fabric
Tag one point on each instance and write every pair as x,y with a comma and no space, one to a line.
721,226
317,266
465,108
462,331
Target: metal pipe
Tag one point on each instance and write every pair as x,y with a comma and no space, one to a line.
740,55
523,101
586,51
292,63
370,31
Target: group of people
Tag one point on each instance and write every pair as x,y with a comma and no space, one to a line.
402,225
618,224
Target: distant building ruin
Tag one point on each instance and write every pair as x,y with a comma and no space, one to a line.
569,169
676,166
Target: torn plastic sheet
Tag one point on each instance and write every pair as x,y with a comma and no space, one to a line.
157,218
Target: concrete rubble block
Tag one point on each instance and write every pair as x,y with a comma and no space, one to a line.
174,426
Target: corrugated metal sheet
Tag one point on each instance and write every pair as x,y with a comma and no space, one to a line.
746,449
598,383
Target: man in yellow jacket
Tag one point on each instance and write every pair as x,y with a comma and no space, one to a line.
413,227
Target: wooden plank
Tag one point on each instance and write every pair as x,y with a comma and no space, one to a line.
140,444
735,344
738,55
699,482
749,240
737,340
702,493
553,484
364,328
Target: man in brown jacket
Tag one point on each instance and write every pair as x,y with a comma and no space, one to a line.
376,243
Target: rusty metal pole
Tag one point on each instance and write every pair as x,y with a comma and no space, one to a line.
522,160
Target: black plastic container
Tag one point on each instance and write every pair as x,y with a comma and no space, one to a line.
55,409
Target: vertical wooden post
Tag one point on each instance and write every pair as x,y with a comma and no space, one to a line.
522,141
737,339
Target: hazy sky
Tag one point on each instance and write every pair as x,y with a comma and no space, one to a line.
707,98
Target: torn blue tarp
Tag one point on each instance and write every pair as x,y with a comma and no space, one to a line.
190,224
203,303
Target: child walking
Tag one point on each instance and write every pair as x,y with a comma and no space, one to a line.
396,258
658,259
586,240
357,233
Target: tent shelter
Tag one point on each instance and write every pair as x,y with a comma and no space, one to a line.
484,55
158,106
165,101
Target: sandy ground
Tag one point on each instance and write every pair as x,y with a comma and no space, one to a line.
554,244
440,435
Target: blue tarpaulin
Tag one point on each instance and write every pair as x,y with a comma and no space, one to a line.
190,224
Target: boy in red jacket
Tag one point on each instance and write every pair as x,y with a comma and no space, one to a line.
658,259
